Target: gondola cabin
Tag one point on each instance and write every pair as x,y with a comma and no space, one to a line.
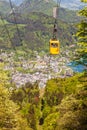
54,46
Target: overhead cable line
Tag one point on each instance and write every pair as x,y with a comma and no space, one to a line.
13,12
58,2
58,6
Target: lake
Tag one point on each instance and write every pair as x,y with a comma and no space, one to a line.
75,67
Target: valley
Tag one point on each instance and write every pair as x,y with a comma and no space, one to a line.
25,35
27,51
38,68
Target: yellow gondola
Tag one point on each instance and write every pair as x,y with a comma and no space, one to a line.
54,46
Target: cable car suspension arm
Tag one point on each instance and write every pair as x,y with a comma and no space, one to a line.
55,15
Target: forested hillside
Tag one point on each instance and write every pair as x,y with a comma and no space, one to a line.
27,24
36,28
65,104
46,7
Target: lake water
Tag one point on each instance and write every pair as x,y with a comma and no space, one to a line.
75,67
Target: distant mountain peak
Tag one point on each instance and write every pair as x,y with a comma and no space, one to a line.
72,4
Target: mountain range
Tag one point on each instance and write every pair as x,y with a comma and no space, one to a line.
69,4
43,6
72,4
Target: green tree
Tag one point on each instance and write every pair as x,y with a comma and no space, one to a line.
10,117
82,36
70,112
27,97
73,109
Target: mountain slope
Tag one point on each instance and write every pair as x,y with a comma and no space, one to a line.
35,25
35,31
46,7
4,7
43,6
72,4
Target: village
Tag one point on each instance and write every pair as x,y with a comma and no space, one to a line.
40,69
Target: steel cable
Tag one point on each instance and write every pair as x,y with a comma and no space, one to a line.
13,12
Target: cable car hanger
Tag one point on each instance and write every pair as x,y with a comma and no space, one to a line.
54,42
